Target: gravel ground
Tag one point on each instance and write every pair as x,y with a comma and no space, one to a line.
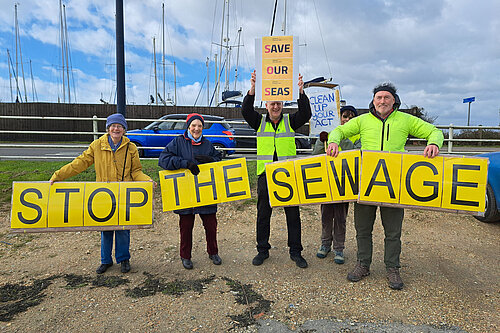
450,266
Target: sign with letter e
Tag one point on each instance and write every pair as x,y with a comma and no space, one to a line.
464,183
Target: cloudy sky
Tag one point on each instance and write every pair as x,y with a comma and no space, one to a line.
437,52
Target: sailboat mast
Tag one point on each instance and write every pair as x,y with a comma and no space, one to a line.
18,46
66,53
208,82
237,59
163,46
283,28
10,77
220,52
156,81
62,50
228,50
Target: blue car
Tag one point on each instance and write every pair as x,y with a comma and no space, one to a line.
153,138
492,212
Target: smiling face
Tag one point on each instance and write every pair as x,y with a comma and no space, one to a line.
346,116
383,102
274,108
116,132
195,128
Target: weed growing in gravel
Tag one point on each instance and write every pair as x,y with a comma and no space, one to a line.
17,298
152,286
246,296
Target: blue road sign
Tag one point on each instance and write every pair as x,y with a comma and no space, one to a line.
469,100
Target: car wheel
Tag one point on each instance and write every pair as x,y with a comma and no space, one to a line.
217,146
298,144
491,213
141,151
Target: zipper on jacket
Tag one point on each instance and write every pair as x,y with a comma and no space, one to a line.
382,137
388,132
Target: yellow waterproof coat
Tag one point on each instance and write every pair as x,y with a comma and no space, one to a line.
108,165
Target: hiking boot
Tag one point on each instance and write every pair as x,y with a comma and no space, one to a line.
103,268
215,259
358,273
259,258
395,281
299,260
187,263
125,266
323,251
339,257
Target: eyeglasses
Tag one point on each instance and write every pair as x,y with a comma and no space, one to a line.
347,117
116,126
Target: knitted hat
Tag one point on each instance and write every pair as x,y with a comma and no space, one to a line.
349,108
116,118
193,116
389,87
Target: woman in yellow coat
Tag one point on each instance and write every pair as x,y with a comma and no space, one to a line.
116,159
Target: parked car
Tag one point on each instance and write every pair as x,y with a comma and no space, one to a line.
301,140
176,128
492,211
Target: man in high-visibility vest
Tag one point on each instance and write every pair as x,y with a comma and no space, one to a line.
275,141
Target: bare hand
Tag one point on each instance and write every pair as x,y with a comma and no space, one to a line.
51,182
431,151
252,83
301,84
333,149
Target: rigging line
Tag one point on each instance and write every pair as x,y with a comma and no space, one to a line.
217,82
274,16
322,40
33,88
199,92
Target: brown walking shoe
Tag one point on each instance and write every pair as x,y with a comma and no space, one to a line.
358,273
395,281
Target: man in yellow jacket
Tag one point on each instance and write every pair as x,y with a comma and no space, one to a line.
116,159
384,128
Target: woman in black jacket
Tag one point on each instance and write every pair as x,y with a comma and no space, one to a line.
185,152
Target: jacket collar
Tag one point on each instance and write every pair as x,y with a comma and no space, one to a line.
103,140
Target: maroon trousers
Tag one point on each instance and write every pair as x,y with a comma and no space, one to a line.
186,224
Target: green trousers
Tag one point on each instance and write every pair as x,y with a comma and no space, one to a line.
392,221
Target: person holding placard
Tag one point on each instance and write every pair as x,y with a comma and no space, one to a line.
333,215
115,159
384,128
275,141
187,151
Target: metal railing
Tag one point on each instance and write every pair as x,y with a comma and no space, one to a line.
95,133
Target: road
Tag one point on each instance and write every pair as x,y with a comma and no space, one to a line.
60,152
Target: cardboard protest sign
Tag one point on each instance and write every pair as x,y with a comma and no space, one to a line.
277,69
325,113
216,183
75,206
383,178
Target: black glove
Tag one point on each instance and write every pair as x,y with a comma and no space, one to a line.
193,168
204,159
323,136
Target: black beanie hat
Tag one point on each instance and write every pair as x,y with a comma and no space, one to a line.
389,87
349,108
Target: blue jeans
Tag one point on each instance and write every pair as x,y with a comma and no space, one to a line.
122,244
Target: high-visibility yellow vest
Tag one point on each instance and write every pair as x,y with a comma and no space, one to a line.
268,140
